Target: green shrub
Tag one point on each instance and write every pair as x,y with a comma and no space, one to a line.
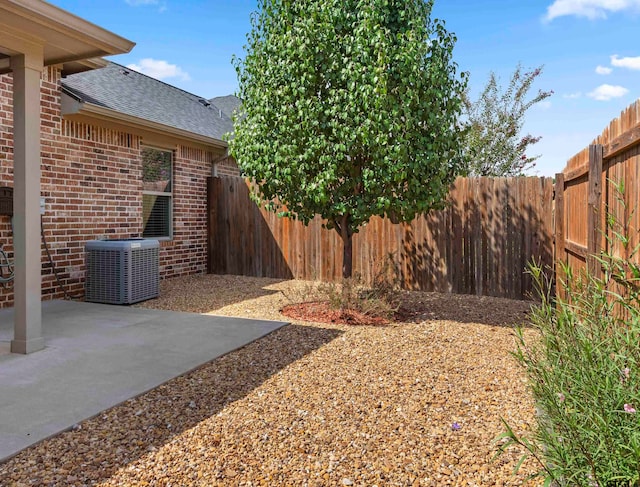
584,373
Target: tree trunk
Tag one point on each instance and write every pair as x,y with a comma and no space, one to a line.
347,247
347,256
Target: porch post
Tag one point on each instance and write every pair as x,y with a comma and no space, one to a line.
27,286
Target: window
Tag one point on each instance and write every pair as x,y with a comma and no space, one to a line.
157,187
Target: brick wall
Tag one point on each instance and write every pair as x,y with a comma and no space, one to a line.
227,167
92,182
6,172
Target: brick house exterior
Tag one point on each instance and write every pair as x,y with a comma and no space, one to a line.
92,186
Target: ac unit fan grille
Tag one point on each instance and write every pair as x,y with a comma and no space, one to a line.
122,271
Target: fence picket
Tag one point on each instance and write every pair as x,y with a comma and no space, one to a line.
478,244
586,195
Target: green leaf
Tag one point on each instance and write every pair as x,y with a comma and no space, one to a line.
349,108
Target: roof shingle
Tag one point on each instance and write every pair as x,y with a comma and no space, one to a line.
129,92
228,104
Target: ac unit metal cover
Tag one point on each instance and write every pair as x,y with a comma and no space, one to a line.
123,271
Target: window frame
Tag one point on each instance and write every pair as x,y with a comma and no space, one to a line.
168,194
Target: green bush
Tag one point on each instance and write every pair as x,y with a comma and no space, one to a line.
584,373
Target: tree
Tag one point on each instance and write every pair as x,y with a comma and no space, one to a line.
494,144
350,109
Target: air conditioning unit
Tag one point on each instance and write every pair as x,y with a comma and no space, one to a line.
123,271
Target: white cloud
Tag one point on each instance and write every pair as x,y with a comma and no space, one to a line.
603,70
159,69
591,9
626,62
544,105
607,92
572,96
162,6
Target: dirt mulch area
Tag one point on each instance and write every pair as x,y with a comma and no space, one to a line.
413,403
321,312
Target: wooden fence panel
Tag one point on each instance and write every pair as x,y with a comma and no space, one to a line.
479,244
600,185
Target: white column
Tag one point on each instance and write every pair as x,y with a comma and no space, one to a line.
27,286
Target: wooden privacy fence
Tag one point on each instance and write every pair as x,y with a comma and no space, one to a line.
588,195
480,244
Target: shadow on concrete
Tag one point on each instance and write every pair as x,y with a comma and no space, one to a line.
100,446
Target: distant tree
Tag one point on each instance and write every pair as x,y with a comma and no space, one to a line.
350,109
494,144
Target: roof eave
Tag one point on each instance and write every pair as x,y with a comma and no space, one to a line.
102,113
72,26
42,30
83,65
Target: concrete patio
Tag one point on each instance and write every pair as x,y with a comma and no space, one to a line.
97,356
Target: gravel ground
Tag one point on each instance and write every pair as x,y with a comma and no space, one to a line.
311,404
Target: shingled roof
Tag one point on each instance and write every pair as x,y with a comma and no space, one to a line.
126,91
228,104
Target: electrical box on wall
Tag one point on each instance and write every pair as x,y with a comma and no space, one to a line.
6,201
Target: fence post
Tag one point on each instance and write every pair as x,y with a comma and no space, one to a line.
559,230
594,204
212,221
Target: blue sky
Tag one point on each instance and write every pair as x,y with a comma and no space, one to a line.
588,48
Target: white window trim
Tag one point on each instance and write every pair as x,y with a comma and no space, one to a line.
162,193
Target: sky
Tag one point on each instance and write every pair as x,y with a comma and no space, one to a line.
588,50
